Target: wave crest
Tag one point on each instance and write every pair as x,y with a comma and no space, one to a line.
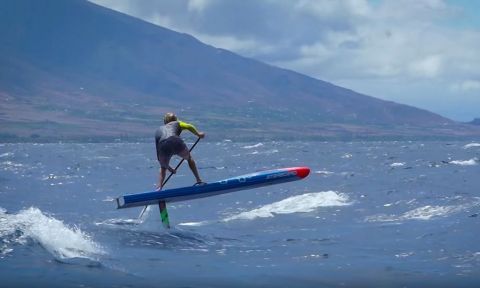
423,213
62,241
296,204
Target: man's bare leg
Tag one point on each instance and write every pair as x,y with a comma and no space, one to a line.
193,167
161,178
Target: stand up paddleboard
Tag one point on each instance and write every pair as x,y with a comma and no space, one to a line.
248,181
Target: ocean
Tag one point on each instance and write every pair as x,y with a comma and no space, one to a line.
370,214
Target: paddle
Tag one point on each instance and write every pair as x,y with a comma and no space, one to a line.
166,180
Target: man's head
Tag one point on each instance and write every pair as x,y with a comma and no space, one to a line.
169,117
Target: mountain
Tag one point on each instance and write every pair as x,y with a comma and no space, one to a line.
475,121
76,70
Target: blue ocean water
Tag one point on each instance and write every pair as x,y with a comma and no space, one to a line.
371,214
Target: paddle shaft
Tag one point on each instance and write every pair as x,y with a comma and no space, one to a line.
169,176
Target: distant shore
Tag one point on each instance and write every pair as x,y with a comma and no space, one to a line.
14,140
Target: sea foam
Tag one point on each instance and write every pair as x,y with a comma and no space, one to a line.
397,164
252,146
62,241
427,212
471,145
296,204
471,162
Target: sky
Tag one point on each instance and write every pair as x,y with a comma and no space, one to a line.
424,53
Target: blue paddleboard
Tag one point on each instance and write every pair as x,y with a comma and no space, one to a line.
243,182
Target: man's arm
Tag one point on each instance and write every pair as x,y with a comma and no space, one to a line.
191,128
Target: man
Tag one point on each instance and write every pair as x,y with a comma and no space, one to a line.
169,143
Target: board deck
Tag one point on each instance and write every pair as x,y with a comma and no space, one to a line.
248,181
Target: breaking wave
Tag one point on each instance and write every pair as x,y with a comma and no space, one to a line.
11,166
423,213
471,145
296,204
7,154
60,240
324,172
471,162
397,164
252,146
268,152
194,224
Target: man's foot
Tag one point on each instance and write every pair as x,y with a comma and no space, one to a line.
200,183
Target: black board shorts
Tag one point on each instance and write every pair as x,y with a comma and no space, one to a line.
173,145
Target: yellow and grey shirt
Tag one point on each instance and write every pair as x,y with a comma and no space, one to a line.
173,128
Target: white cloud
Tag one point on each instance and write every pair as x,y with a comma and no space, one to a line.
241,46
466,86
328,8
429,66
198,5
470,85
411,43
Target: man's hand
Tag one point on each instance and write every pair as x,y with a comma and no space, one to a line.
201,135
173,171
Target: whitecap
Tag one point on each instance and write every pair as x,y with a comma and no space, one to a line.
193,224
324,172
428,212
12,166
109,199
423,213
296,204
269,152
252,146
405,254
120,222
102,158
471,145
471,162
397,164
62,241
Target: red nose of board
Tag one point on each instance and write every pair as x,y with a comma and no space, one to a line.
302,172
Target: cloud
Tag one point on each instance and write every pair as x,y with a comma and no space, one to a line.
466,86
198,5
350,41
430,66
